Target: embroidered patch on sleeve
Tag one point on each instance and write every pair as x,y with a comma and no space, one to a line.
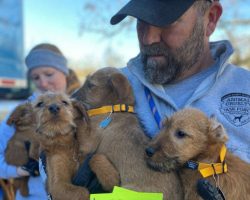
236,108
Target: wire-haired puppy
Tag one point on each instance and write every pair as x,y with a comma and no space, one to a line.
194,144
56,130
116,133
23,145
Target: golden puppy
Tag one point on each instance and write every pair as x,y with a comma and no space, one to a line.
56,132
116,133
191,136
60,121
23,144
105,172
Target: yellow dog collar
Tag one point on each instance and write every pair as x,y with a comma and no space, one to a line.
111,109
209,169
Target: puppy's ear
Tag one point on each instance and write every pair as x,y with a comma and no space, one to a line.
120,85
79,110
166,121
19,112
217,132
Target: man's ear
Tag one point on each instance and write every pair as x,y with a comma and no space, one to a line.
217,132
213,16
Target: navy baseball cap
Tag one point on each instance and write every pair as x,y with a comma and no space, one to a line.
155,12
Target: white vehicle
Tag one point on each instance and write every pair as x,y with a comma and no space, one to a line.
13,80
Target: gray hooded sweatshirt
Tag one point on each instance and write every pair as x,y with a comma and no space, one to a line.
223,91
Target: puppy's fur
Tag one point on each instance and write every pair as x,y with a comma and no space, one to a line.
122,141
190,135
16,152
56,131
106,173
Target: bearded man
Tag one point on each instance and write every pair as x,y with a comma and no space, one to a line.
179,67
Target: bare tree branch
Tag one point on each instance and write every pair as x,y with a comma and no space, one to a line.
236,17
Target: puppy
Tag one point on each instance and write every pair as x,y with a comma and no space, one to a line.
118,135
23,144
190,135
56,132
105,172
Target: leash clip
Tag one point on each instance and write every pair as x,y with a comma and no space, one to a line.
191,165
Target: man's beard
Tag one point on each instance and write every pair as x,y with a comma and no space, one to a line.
174,62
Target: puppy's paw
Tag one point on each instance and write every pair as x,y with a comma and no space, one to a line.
80,193
22,185
34,150
24,190
67,191
16,154
105,171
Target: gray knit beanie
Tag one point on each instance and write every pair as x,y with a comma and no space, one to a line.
45,57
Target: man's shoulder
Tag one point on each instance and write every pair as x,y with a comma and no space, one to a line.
126,72
239,68
238,72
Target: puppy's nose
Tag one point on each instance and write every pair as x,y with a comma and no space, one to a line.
150,151
54,109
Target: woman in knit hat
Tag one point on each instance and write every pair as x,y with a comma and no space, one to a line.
48,70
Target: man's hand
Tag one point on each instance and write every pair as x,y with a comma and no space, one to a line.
32,167
86,178
208,191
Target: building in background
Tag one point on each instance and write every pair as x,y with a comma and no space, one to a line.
13,80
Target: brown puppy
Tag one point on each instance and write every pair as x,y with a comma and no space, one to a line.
56,131
17,152
106,173
190,135
118,135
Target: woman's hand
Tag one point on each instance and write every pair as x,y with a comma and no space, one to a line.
31,168
22,172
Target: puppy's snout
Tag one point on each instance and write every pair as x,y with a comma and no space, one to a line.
54,109
150,151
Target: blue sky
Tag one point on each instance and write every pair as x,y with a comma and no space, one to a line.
55,21
58,21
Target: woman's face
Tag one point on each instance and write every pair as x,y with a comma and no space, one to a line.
47,78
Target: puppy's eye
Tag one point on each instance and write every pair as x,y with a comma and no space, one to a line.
40,104
65,103
180,134
90,85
